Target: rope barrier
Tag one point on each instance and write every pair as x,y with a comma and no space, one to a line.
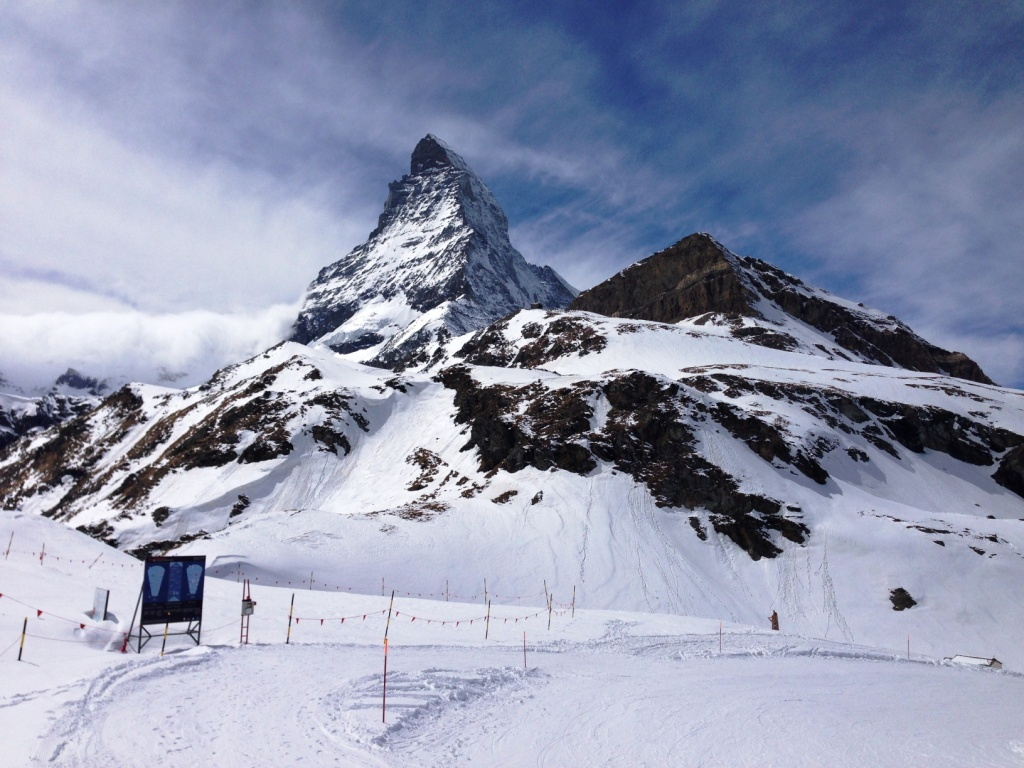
223,572
40,612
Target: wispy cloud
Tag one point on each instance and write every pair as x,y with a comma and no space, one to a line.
189,156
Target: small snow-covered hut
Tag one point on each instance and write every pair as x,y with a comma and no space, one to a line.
977,661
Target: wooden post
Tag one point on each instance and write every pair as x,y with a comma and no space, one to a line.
485,590
545,591
164,645
551,603
310,581
9,543
291,610
42,554
24,629
574,601
446,590
487,632
382,586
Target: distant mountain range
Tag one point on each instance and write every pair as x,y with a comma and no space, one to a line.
702,433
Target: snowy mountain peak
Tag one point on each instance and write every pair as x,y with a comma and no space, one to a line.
431,152
439,263
699,281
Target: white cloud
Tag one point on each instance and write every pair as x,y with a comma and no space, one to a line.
134,346
87,210
929,223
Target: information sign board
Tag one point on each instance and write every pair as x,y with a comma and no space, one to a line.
172,589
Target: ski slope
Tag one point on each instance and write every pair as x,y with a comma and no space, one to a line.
597,688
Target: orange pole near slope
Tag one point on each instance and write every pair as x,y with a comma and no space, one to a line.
24,629
384,700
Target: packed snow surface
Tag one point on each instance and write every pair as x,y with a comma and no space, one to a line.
597,688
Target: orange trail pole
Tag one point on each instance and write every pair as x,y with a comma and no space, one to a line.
288,639
24,629
384,699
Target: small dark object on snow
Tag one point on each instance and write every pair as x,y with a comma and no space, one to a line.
775,620
901,599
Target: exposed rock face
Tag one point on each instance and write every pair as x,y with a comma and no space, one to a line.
648,433
439,263
690,278
87,385
697,276
20,416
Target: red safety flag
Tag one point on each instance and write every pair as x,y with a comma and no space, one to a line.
296,619
413,618
364,617
81,626
342,619
38,613
321,622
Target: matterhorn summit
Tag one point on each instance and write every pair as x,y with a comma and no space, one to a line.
439,264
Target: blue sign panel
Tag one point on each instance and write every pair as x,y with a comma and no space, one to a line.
172,589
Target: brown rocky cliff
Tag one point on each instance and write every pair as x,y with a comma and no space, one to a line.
697,275
689,278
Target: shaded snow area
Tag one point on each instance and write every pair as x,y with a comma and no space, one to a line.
597,688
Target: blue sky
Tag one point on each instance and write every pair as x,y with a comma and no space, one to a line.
180,171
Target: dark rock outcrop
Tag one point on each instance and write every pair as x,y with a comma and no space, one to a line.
648,434
698,276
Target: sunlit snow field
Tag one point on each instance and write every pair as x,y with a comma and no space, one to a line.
597,688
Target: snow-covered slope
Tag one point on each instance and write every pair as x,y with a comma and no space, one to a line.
656,467
590,688
438,264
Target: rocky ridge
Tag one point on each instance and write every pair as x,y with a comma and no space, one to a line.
698,279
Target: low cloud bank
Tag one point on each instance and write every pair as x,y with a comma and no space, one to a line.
176,349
